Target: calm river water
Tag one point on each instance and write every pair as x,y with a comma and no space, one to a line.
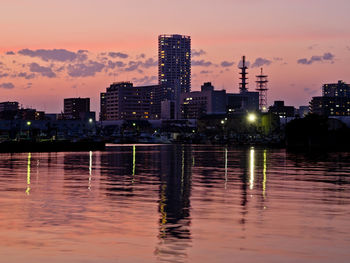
173,203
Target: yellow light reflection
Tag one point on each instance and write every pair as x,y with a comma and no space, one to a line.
28,173
252,166
90,170
264,174
162,211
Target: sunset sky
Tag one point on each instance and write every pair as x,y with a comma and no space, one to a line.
51,50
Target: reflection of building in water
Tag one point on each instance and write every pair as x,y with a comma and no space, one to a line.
125,166
257,167
174,203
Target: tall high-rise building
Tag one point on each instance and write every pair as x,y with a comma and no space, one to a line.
174,62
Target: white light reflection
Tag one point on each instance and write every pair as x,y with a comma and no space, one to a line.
252,166
133,163
182,169
225,168
90,170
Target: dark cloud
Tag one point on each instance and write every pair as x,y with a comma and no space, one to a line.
85,69
3,75
26,75
325,57
113,64
225,64
60,69
150,63
146,80
43,71
133,65
10,53
117,55
348,48
61,55
240,64
201,63
141,56
206,72
328,56
7,85
261,62
198,53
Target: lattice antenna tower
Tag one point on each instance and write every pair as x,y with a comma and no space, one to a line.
261,87
243,85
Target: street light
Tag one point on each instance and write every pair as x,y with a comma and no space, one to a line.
90,120
251,117
29,123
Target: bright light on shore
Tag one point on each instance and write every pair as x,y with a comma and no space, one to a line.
251,117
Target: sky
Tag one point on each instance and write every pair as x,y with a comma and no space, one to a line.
51,50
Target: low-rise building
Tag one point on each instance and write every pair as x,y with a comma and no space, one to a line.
207,101
281,110
77,108
335,100
126,102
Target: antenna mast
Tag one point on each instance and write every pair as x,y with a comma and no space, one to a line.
244,73
261,87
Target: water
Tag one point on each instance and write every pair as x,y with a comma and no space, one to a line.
168,203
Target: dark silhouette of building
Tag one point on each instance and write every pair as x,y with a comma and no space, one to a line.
335,100
207,101
281,110
123,101
9,106
242,102
340,89
174,61
76,108
103,106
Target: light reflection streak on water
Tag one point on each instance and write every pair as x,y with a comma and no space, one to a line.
133,163
264,174
182,168
225,167
252,166
311,199
28,173
133,159
90,169
162,211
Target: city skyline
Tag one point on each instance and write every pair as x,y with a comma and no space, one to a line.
45,57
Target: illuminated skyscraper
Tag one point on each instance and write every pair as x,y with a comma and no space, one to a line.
174,62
